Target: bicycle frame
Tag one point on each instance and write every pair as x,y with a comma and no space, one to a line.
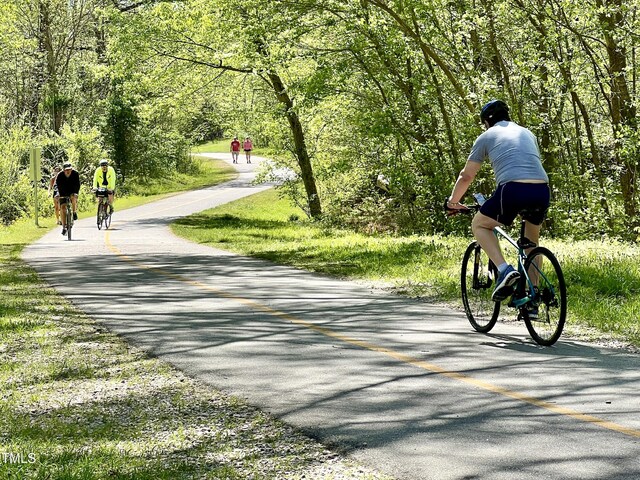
102,215
67,211
522,296
540,295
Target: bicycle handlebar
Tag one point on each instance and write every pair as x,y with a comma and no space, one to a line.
455,211
478,202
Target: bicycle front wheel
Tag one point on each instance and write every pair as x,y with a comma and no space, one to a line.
551,297
100,215
69,223
107,217
477,280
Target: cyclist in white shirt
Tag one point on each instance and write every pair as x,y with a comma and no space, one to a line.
522,187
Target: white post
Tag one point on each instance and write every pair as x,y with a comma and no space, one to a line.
35,173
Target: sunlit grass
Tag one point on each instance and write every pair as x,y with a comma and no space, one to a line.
603,278
262,226
217,146
211,172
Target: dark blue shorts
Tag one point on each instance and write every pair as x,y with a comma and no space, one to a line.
514,198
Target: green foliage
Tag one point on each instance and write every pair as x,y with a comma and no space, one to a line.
83,148
161,153
15,187
120,135
388,88
203,124
201,173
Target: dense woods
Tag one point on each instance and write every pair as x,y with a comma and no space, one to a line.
340,91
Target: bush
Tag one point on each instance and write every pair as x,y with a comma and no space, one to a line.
15,187
83,147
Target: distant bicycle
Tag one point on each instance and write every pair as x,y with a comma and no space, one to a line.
103,216
540,296
65,204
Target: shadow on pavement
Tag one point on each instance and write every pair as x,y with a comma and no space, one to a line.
288,340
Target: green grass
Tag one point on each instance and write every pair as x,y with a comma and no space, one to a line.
603,278
218,146
211,172
603,281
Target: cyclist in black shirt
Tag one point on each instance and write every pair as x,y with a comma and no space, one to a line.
68,182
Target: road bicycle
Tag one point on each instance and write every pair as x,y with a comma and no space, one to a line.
540,296
68,214
103,216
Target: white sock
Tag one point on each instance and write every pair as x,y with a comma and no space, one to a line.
502,267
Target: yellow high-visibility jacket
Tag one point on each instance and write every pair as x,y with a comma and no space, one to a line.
98,178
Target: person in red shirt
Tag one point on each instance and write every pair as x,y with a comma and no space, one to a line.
235,149
247,146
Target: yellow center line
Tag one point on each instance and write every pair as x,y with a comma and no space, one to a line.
401,357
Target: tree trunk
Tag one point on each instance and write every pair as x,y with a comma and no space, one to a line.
623,113
39,75
300,146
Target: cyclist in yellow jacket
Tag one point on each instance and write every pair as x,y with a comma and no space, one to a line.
105,177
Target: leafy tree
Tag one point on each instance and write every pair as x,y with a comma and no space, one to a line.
229,37
346,89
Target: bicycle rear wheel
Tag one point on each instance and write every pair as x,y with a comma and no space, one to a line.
551,297
477,281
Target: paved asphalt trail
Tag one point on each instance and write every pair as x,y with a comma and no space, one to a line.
402,386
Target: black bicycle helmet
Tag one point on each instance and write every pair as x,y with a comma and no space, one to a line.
494,111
